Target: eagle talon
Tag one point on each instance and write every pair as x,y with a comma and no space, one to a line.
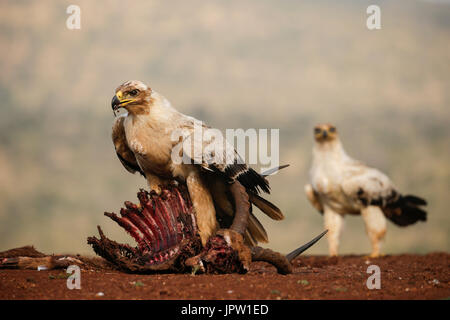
156,190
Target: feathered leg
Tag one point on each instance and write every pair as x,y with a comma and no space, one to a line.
375,227
333,222
205,212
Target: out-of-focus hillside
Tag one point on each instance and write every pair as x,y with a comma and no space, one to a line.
248,64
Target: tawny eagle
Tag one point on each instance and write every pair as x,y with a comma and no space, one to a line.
144,141
341,185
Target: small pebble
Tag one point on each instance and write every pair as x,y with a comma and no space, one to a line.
100,294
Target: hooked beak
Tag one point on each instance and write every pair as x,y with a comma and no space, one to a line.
117,101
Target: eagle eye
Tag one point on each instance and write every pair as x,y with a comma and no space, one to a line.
134,92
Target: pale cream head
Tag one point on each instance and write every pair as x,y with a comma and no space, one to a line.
325,132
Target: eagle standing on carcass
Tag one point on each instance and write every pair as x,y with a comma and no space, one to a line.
341,185
143,139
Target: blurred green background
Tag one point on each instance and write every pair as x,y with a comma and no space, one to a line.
233,64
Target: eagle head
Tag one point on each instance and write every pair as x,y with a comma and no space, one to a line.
133,95
325,132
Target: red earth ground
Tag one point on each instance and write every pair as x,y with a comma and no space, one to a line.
315,277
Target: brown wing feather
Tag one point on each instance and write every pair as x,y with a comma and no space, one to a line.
257,230
124,153
265,206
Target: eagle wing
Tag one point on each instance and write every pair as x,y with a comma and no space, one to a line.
215,154
123,151
369,186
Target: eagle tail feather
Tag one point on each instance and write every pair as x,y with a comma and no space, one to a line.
253,181
406,210
266,206
415,200
248,239
256,229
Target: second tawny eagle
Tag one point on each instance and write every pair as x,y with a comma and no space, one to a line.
341,185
